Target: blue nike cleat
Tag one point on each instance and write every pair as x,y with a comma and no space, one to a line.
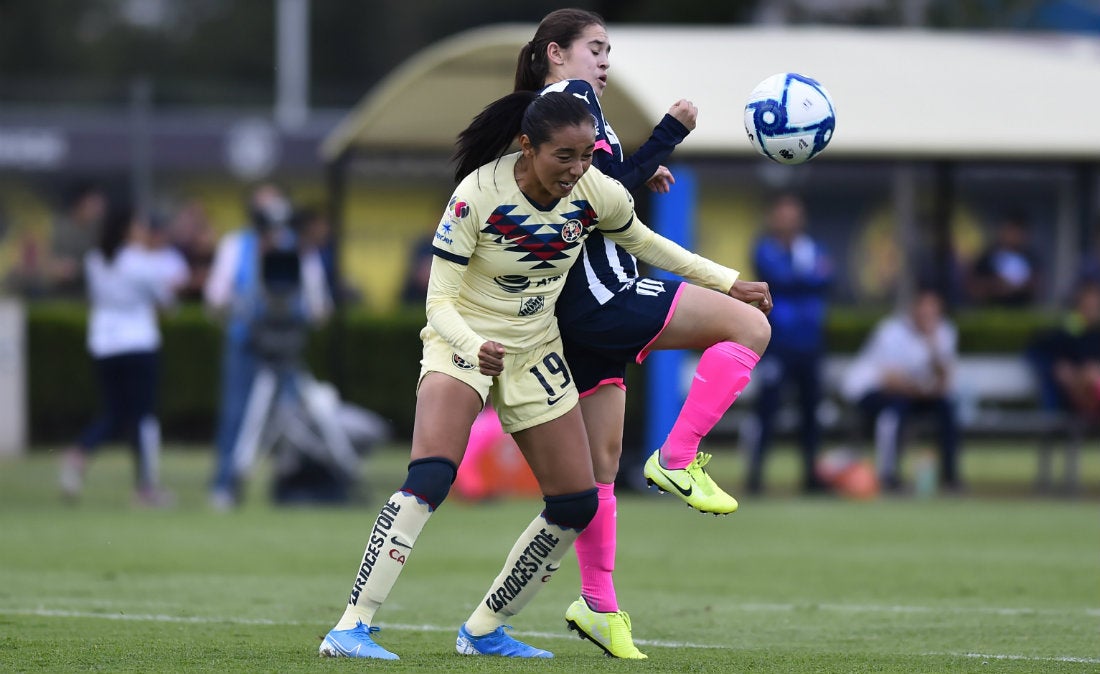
496,643
354,643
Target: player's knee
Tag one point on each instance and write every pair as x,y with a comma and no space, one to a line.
430,479
572,511
753,331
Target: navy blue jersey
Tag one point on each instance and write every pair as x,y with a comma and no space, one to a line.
605,269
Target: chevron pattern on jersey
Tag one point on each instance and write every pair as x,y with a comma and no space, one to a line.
540,242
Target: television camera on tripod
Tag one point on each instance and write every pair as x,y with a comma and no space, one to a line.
315,440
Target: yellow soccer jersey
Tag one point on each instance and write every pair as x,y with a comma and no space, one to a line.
501,260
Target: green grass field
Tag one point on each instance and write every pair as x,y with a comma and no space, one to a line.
994,581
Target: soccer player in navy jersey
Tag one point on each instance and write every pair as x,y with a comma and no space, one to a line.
508,236
610,316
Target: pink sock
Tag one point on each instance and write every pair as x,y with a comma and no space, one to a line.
723,372
596,554
485,436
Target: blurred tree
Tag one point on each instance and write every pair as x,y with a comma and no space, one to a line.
202,51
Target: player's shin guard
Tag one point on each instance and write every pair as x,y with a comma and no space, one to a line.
596,554
533,560
723,372
392,538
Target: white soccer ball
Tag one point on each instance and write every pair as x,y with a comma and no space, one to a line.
789,118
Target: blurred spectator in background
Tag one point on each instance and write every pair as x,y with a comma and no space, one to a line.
798,272
1088,270
74,234
1066,360
235,291
1007,272
415,289
315,231
906,368
56,269
127,280
190,233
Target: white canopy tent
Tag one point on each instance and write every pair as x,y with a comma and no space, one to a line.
898,93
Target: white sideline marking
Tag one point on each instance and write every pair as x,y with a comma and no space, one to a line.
142,617
149,617
1030,658
44,612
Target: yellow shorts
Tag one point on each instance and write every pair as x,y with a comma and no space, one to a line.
534,388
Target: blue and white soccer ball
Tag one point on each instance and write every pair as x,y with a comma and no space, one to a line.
789,118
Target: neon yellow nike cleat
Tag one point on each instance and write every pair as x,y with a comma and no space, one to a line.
609,631
692,484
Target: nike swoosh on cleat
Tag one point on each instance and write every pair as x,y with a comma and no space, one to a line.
397,541
553,567
685,492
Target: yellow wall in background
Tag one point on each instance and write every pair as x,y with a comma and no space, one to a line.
728,223
27,219
381,228
382,224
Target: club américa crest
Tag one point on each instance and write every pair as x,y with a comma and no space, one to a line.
572,230
459,362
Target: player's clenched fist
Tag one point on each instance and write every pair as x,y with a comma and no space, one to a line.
685,112
752,292
490,359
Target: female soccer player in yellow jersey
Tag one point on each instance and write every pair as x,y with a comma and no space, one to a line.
610,316
508,236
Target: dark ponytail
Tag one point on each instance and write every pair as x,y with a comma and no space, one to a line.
562,26
115,229
494,130
491,133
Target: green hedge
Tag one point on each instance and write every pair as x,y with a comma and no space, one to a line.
374,358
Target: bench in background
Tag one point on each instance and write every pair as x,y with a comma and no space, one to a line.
998,397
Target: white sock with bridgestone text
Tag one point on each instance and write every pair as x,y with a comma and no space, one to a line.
391,541
534,558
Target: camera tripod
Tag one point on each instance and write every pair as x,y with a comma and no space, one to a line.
286,403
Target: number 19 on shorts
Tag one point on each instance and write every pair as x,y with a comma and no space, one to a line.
556,378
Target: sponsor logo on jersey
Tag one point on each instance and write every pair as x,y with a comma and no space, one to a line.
546,281
459,362
458,208
513,283
526,568
532,305
377,540
443,232
572,230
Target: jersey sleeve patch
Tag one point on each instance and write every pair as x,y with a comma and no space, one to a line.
455,234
